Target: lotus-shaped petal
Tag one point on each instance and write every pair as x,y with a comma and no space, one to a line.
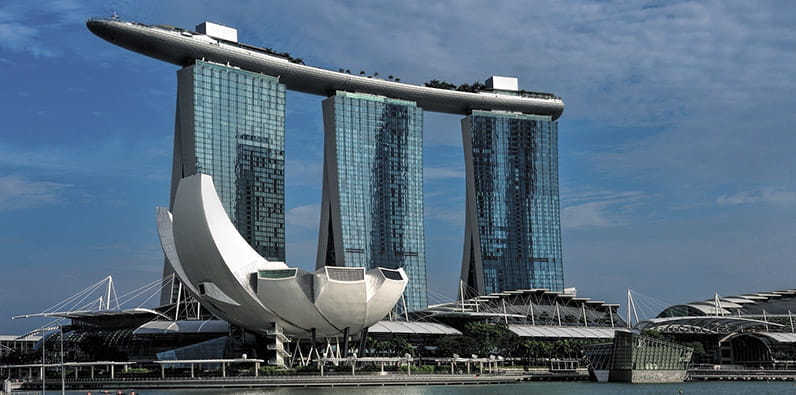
220,269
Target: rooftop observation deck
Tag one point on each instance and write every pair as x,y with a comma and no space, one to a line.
182,47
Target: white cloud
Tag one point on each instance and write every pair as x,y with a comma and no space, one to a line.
712,80
18,193
610,61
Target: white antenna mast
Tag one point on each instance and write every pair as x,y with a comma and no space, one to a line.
108,294
717,305
177,306
629,302
631,305
461,293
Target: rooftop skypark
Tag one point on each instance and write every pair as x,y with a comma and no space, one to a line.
182,47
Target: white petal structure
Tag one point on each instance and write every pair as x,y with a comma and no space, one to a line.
220,269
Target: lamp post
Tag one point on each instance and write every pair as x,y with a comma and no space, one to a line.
63,379
43,367
453,361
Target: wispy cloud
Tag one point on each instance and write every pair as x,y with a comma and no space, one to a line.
307,217
23,26
773,196
451,215
108,156
16,37
44,159
303,172
431,173
17,192
602,208
28,27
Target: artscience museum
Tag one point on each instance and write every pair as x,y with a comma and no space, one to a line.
219,268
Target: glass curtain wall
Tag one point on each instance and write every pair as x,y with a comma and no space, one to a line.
512,234
372,212
230,124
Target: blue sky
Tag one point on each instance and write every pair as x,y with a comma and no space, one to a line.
676,145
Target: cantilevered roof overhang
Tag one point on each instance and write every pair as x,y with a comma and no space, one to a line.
704,324
412,328
183,47
183,326
562,332
138,311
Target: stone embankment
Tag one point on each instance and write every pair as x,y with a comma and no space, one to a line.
741,375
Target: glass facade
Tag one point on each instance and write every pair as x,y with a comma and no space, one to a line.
372,211
513,234
239,140
632,351
230,124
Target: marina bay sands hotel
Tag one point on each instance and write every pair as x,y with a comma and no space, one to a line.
230,124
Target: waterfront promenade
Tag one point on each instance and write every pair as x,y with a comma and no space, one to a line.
375,379
308,381
741,375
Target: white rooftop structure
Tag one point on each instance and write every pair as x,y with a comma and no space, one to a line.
218,31
503,83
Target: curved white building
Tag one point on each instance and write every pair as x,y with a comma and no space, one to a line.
232,280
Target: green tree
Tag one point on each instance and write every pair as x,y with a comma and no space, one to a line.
397,346
400,346
448,345
652,333
487,337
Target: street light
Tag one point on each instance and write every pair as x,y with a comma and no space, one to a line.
43,367
63,379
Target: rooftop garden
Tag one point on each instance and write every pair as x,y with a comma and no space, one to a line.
476,87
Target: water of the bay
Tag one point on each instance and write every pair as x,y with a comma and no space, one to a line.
546,388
